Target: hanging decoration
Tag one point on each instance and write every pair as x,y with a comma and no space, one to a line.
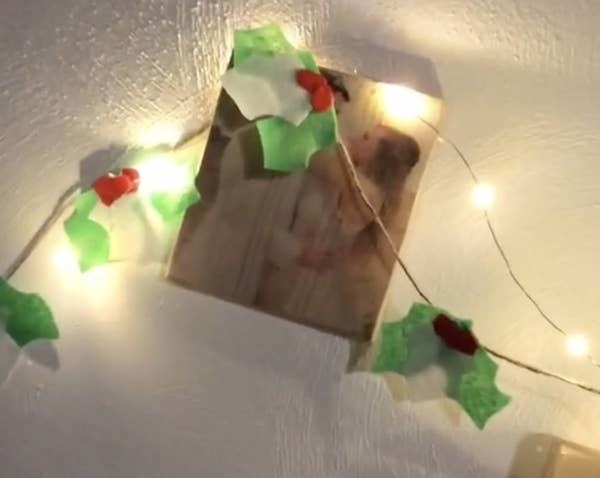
269,76
266,86
26,317
477,392
114,220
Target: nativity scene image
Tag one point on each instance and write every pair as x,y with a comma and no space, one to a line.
281,226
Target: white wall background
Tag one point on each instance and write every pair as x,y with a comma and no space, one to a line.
151,381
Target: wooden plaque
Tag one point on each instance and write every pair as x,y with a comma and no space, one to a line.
302,246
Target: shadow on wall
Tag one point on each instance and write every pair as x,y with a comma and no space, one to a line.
41,352
349,54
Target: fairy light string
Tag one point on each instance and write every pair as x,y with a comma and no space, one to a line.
497,243
421,293
68,197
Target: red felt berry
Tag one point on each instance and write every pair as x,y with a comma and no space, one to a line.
134,176
309,80
322,98
111,188
454,336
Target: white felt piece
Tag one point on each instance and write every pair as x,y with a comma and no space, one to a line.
101,215
266,86
136,232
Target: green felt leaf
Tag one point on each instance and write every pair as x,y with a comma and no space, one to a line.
478,394
89,239
394,348
288,148
27,317
267,40
308,60
171,206
86,202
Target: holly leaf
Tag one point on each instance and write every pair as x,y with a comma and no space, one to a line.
86,202
394,347
89,239
266,86
27,317
308,60
267,40
171,206
288,148
478,394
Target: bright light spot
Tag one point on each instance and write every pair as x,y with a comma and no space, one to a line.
483,195
577,345
65,259
160,134
292,36
403,102
162,174
97,278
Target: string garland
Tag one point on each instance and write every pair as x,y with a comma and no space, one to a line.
66,201
497,243
68,197
419,290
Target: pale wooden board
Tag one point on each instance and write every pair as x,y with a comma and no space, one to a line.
302,246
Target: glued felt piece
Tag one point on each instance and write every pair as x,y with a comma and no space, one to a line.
27,317
286,147
266,86
130,224
267,40
477,392
89,239
110,187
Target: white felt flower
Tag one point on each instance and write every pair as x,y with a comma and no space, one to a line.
266,86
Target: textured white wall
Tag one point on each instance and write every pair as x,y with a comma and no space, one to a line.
152,381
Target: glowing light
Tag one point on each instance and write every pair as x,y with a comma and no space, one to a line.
162,174
65,259
98,279
577,345
483,195
160,134
402,102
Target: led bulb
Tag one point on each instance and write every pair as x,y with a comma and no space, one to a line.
65,259
483,195
161,133
162,174
402,102
577,345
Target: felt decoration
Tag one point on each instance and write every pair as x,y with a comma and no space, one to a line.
288,147
321,95
89,239
130,215
266,86
26,317
477,392
454,336
171,206
110,187
268,40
